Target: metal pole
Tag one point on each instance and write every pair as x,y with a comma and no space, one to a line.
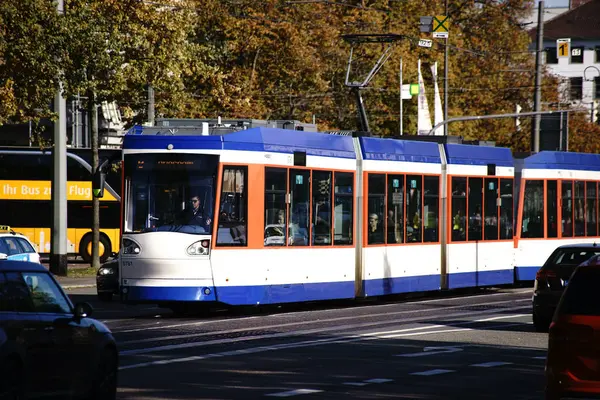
401,82
479,117
58,254
538,80
446,76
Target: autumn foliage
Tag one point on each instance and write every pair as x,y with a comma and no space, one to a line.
273,59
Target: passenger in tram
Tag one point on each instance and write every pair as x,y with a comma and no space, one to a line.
392,226
458,226
375,230
298,233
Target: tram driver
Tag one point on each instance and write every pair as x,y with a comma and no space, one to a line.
196,215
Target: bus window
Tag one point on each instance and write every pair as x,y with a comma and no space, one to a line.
321,208
395,212
591,209
431,206
344,210
552,208
490,212
506,208
533,210
233,209
275,206
475,204
376,209
567,208
579,208
459,209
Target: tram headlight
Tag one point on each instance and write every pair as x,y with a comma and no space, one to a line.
199,248
130,247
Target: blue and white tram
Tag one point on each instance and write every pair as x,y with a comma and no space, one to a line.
288,216
558,205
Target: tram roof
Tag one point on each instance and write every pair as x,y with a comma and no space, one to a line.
399,150
255,139
465,154
563,160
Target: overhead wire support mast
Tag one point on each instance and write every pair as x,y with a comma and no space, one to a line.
356,87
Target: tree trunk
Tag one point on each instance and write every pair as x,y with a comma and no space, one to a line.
95,162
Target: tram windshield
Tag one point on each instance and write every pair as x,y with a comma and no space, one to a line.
170,192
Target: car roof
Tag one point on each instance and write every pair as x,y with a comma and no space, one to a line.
580,246
19,266
13,234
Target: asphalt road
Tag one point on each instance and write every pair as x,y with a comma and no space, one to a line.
480,346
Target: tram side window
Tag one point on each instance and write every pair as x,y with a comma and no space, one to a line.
344,211
395,211
321,208
376,209
459,209
591,209
490,212
533,210
552,208
299,184
567,208
475,202
414,208
431,207
233,210
275,206
506,208
579,210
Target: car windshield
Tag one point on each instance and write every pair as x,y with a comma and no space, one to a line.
571,256
581,296
169,192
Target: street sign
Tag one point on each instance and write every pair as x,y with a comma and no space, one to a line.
562,48
425,43
414,89
425,24
409,90
440,26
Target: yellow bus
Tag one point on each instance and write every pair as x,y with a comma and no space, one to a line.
25,206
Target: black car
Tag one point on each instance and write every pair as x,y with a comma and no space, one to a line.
47,345
107,280
553,277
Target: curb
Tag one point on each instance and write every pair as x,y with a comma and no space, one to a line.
69,287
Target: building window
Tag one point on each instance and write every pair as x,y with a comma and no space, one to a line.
596,92
551,56
577,55
234,207
576,88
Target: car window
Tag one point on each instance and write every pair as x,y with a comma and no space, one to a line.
17,294
12,246
25,245
581,297
572,256
45,294
4,303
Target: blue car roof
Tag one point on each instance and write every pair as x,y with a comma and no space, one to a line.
18,266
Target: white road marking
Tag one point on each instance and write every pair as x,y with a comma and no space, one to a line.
433,372
490,364
253,350
156,325
356,383
539,358
428,351
294,393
